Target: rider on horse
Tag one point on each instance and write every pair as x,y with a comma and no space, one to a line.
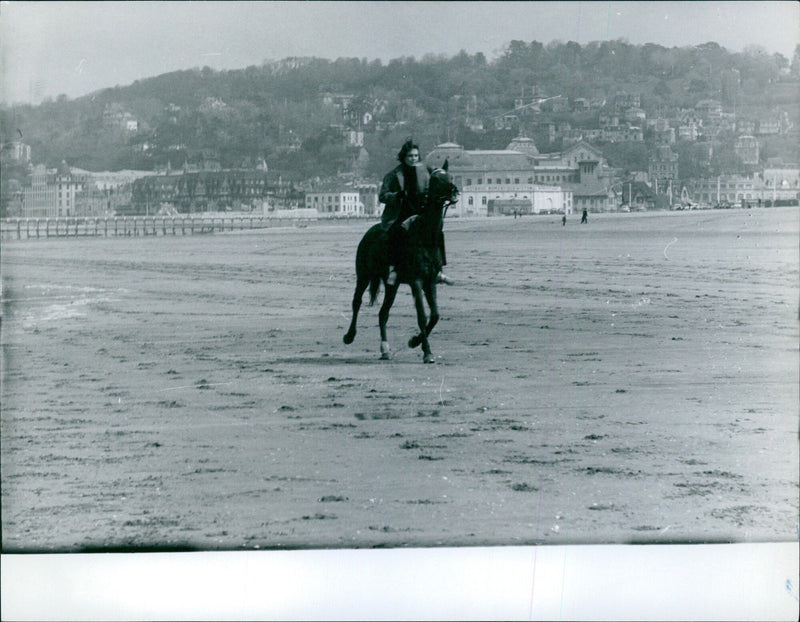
404,192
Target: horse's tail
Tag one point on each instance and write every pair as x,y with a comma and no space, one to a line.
371,260
374,287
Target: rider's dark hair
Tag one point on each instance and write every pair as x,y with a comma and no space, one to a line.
407,146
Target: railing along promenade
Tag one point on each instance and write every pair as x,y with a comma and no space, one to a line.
130,226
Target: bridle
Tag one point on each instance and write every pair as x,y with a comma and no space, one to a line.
449,200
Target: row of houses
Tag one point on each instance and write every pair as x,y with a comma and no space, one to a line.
214,190
516,179
779,184
63,191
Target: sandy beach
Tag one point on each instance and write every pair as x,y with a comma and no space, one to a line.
634,379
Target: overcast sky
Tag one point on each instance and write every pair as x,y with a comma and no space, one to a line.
74,48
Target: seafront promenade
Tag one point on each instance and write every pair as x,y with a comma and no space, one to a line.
128,226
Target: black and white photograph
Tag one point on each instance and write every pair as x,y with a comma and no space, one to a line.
414,302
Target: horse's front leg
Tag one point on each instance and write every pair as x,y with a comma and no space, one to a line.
430,295
422,320
361,286
390,291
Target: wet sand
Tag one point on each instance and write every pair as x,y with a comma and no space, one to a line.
634,379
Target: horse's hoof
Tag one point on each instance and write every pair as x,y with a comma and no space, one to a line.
428,358
348,338
414,342
386,356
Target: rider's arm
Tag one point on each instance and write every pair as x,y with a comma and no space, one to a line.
390,189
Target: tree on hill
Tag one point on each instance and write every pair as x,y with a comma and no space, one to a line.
253,110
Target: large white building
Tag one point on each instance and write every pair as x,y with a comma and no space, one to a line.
497,181
52,193
17,151
520,178
335,202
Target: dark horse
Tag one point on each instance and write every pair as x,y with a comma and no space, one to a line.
419,265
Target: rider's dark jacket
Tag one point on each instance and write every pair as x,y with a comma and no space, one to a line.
403,193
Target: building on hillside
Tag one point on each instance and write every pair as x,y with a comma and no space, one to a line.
556,104
769,127
662,132
663,166
689,131
746,148
16,151
745,126
709,108
115,117
340,101
349,137
580,104
623,133
624,100
636,116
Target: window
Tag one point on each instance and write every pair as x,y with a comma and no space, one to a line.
516,180
508,180
483,200
480,181
470,201
469,181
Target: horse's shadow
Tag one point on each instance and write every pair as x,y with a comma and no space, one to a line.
333,361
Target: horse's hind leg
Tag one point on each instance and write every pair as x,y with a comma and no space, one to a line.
383,317
361,286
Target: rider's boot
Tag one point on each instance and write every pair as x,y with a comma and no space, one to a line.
443,278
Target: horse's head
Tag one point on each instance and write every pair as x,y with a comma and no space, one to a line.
441,189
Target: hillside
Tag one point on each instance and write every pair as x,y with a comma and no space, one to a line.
287,113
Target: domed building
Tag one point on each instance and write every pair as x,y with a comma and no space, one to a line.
501,181
523,144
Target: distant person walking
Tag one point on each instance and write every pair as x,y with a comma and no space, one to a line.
585,216
564,220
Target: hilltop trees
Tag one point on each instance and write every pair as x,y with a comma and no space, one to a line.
256,112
